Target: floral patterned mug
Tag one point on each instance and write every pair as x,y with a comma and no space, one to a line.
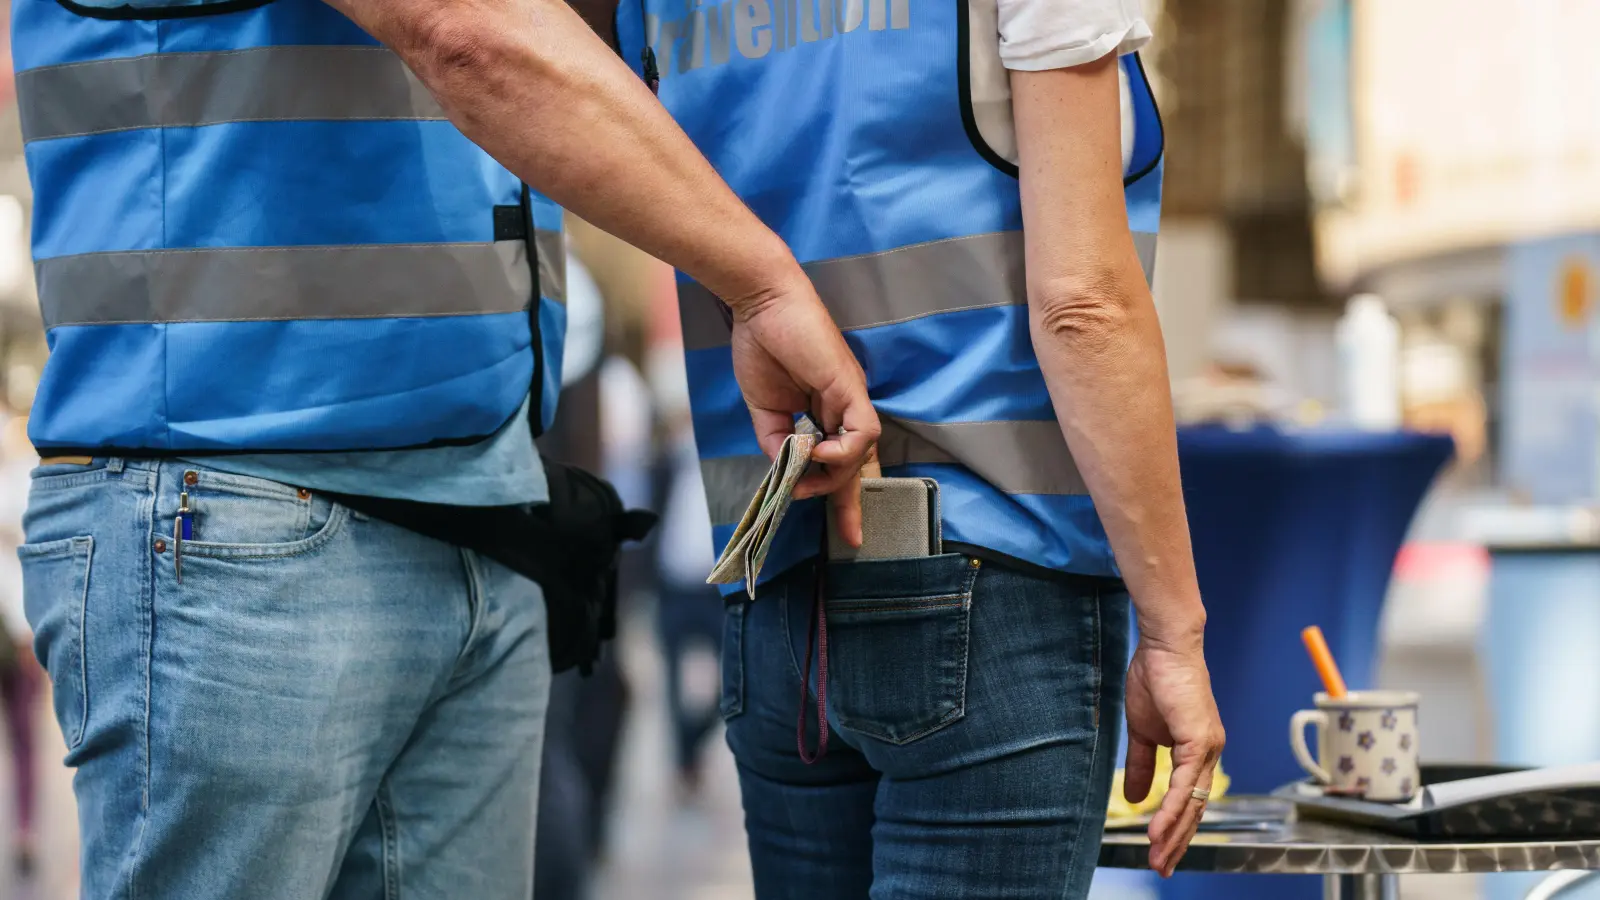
1366,741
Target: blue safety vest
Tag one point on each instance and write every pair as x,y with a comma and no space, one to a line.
875,137
255,230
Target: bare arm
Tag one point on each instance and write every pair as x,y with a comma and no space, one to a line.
1098,340
1099,344
530,83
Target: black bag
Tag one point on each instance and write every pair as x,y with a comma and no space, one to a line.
570,546
584,525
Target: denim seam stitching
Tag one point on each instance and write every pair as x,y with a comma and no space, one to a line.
1099,662
788,639
238,486
1094,751
946,719
475,604
732,707
843,615
83,641
966,633
744,642
62,549
43,483
900,602
391,840
147,511
212,487
966,646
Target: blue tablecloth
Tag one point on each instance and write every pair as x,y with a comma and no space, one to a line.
1291,528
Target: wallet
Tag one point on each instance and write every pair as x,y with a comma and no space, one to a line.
900,518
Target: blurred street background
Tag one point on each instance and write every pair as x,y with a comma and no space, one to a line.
1440,156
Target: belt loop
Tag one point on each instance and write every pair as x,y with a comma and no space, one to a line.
115,464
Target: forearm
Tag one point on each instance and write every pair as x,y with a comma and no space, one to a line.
1098,340
530,83
1108,382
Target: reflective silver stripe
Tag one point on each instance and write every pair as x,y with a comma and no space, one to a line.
552,250
248,284
892,286
1145,243
1026,457
168,90
700,313
730,483
975,272
1016,457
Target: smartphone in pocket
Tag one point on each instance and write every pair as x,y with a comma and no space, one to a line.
899,519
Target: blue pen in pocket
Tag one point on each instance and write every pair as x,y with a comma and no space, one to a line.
182,530
186,516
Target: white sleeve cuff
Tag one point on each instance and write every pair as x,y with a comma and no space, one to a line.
1040,52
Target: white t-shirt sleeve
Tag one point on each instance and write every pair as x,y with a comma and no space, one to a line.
1056,34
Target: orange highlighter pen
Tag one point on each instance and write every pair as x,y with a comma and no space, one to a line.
1322,658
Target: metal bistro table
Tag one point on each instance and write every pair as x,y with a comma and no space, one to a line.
1358,864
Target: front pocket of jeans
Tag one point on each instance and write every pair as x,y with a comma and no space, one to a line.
55,591
326,530
237,515
897,666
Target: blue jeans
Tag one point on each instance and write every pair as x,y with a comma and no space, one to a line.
974,713
324,705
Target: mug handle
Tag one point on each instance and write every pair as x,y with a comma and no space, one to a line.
1297,741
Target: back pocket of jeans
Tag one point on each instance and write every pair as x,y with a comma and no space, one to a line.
55,592
897,644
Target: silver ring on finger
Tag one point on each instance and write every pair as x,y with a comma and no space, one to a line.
1200,794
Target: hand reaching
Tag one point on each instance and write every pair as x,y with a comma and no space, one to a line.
789,358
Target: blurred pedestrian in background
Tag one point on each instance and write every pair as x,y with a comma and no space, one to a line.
21,679
604,427
688,611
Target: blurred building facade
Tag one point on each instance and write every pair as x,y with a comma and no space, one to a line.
1323,148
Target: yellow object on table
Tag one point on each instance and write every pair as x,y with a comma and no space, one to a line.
1121,813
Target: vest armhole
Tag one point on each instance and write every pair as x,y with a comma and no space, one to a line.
969,119
1161,127
133,13
535,327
